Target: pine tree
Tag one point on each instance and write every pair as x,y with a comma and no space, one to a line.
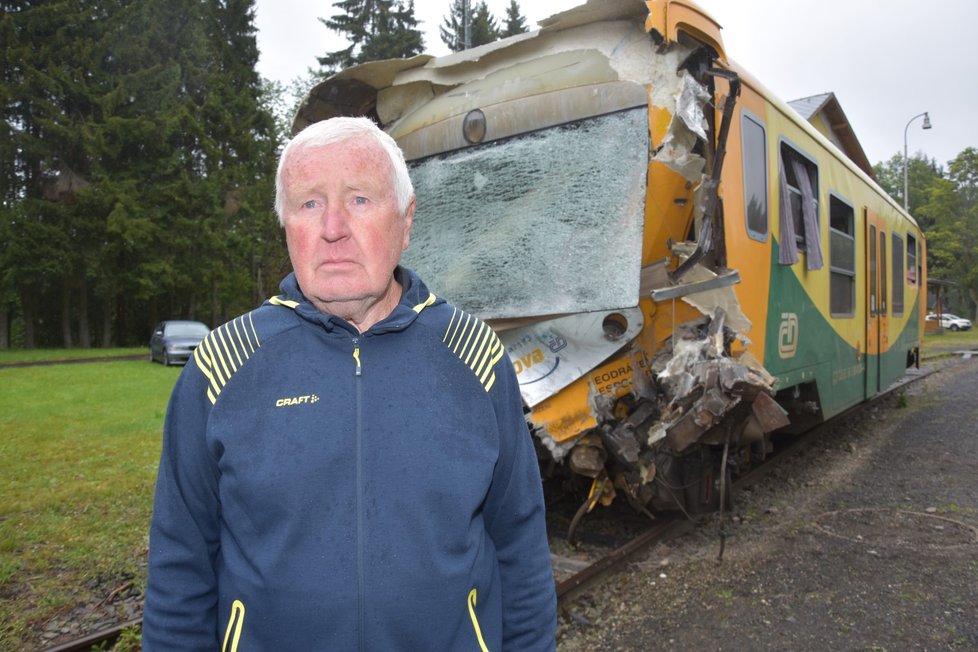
452,29
515,22
398,34
482,26
48,90
375,29
137,166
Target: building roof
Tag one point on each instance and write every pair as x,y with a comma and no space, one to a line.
824,112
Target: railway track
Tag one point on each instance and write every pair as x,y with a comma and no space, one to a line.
594,561
575,580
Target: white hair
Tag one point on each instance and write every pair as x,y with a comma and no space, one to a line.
335,130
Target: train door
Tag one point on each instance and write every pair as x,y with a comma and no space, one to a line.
876,300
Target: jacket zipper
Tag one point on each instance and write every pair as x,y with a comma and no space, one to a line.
359,496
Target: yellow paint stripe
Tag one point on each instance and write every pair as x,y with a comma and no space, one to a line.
481,342
200,357
224,351
479,365
254,332
217,350
228,349
475,344
497,356
463,337
208,345
242,340
228,339
457,319
444,338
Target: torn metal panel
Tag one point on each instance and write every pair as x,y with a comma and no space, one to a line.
705,386
770,416
552,354
688,126
715,291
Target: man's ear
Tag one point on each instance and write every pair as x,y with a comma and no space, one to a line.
408,221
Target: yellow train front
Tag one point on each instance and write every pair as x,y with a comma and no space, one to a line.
678,263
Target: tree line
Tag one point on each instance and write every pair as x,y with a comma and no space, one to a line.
136,171
138,153
139,146
944,200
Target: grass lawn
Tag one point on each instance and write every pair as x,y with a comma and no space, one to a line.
948,341
79,445
11,356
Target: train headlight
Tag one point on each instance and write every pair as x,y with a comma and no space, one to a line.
474,127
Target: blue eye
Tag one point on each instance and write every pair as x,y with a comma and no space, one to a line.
310,204
360,200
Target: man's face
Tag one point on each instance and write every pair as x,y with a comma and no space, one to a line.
342,225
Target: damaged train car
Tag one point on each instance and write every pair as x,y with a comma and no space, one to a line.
678,264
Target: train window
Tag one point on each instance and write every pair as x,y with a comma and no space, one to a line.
799,209
754,142
842,258
554,217
898,277
911,260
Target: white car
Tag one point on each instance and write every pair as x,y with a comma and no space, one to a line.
951,322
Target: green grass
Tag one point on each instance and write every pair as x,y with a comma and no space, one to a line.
948,341
79,446
10,356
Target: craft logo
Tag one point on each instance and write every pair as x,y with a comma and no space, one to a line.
788,335
297,400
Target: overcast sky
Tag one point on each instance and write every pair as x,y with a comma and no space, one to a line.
886,60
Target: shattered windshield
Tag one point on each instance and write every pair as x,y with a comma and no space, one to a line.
545,223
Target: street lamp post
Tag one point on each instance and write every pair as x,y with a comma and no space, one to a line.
906,183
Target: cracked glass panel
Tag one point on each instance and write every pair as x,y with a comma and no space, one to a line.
545,223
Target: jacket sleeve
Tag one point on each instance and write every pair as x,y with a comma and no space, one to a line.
180,610
516,522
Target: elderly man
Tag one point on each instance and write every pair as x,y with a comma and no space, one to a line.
348,467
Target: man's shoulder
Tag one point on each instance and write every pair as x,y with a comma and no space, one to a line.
245,334
469,338
232,345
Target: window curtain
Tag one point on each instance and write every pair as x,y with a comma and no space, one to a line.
813,237
788,253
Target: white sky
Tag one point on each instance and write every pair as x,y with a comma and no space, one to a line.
886,60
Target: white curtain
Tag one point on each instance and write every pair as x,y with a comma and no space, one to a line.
809,213
788,255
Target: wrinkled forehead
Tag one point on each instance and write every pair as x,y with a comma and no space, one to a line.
358,155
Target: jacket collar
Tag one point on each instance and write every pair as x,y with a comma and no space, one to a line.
415,297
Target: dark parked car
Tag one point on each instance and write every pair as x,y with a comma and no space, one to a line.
174,341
